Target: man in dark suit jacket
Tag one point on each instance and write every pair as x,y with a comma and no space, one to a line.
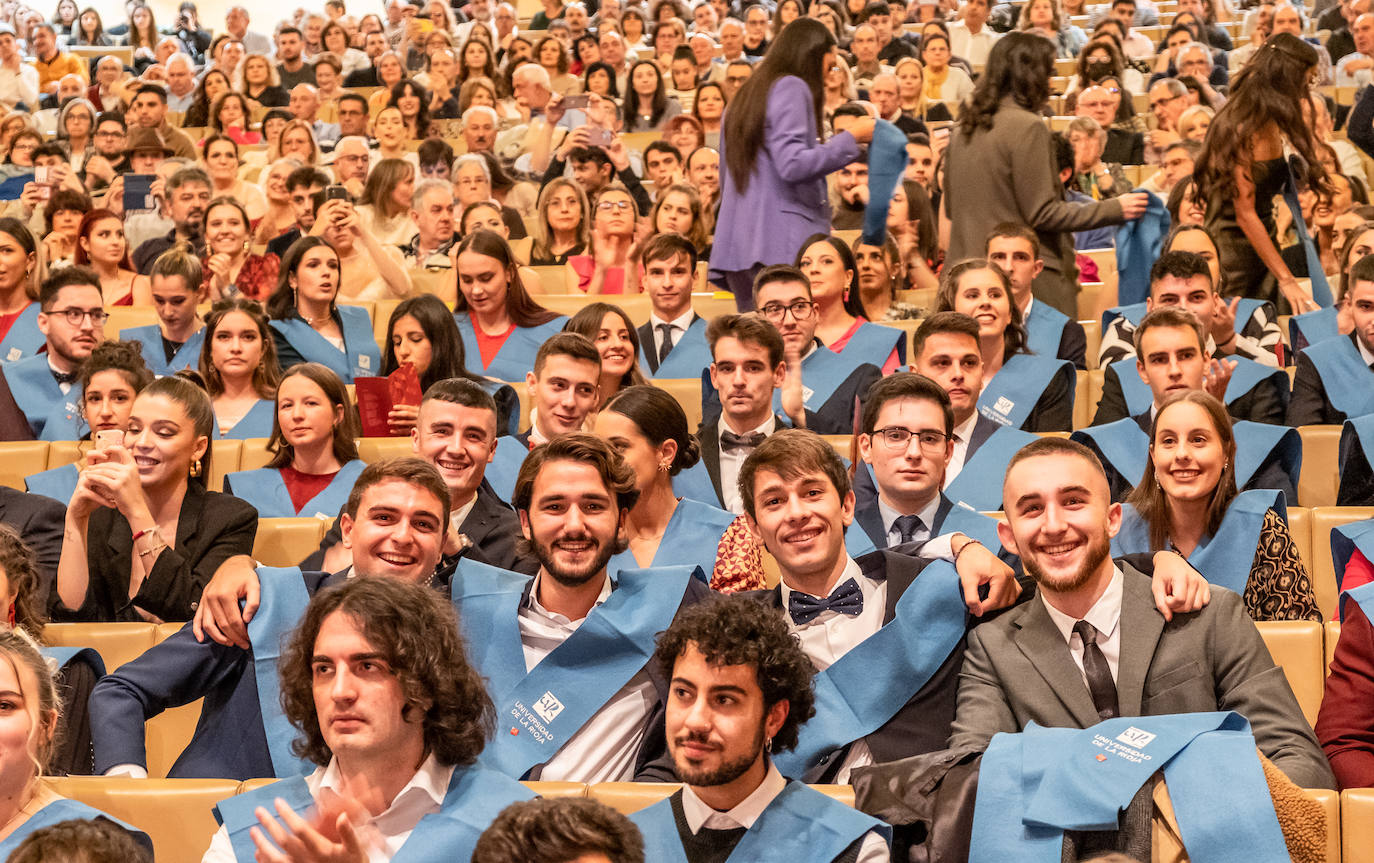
1089,647
1124,148
39,522
1350,360
670,267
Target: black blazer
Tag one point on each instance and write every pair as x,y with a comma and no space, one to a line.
1073,345
648,346
1124,148
366,77
1263,404
212,528
39,521
1309,404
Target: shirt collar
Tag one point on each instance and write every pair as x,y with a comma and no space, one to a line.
1364,352
431,780
532,602
963,432
744,814
1104,616
681,322
926,514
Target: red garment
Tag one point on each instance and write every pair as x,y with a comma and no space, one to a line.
126,300
1345,725
304,486
890,365
1357,572
257,278
489,344
585,266
7,321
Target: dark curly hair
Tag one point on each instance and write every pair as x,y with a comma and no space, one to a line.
416,630
113,356
21,570
582,448
559,828
736,630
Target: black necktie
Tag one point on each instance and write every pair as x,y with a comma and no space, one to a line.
908,526
666,346
1100,683
845,599
729,441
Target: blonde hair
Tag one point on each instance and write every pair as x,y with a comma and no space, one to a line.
19,648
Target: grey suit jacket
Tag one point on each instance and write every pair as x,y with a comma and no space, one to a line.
1017,669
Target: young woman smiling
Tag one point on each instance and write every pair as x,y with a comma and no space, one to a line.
220,154
238,360
229,267
613,333
829,265
608,268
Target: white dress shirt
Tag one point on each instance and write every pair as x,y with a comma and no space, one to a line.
604,749
1364,352
422,795
679,325
962,434
65,387
731,462
750,809
1105,617
970,46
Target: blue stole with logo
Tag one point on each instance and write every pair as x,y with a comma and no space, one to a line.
59,483
1044,329
1134,312
24,338
1309,328
979,481
1223,559
474,798
257,423
266,491
823,371
516,356
690,354
360,357
1363,596
1248,375
539,710
1126,447
1347,379
61,810
40,397
1035,785
1346,539
799,824
693,533
1011,395
867,686
155,356
284,599
504,468
1321,289
874,343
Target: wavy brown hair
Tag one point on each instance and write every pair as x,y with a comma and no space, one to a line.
21,570
1015,334
267,375
416,630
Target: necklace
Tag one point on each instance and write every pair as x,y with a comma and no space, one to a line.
315,323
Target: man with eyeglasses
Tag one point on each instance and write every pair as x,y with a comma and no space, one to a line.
350,162
352,115
1168,101
1123,147
38,396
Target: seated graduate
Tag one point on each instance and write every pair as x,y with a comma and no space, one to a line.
238,361
1234,327
1022,390
38,520
648,429
741,688
1312,327
108,382
421,331
143,535
1343,724
560,830
308,324
1333,381
1031,664
672,343
572,641
314,448
1186,500
906,439
611,330
502,327
1252,391
1171,358
37,397
174,342
393,527
385,655
20,337
841,321
831,382
1049,332
31,724
91,841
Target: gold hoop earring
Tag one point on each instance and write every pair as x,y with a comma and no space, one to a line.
195,468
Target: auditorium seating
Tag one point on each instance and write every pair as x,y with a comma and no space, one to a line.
117,643
1357,825
1296,646
18,459
1320,474
175,813
288,541
1324,581
1331,634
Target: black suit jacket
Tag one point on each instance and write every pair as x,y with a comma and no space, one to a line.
39,521
1309,404
648,345
1263,404
14,425
1124,148
1073,345
708,439
1054,409
362,78
279,245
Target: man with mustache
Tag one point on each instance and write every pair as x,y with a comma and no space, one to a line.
188,195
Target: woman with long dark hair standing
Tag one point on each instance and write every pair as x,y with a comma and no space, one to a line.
1242,167
1000,167
773,162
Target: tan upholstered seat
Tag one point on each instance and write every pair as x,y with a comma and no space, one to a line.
1296,646
287,541
18,459
1319,480
117,643
628,797
175,813
1357,825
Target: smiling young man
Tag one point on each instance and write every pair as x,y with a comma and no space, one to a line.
394,526
385,704
672,344
565,650
740,687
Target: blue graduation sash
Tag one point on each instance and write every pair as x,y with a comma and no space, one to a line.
474,798
693,533
867,686
1127,448
257,423
823,371
1338,361
1345,540
971,523
979,483
504,468
516,356
38,395
694,483
1010,396
1138,244
283,603
1321,290
58,483
61,810
1035,785
1223,559
1309,328
1248,375
24,338
1044,328
1363,596
799,824
64,656
541,709
360,356
874,343
688,357
266,491
1135,311
186,356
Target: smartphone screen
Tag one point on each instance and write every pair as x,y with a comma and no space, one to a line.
138,192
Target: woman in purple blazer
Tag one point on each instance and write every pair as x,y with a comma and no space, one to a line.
773,164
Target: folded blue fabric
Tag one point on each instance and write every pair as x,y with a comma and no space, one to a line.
886,164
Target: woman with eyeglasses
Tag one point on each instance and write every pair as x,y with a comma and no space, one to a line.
607,268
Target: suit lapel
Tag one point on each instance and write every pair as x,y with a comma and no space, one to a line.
709,441
898,570
1141,626
647,350
870,521
1048,652
982,430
